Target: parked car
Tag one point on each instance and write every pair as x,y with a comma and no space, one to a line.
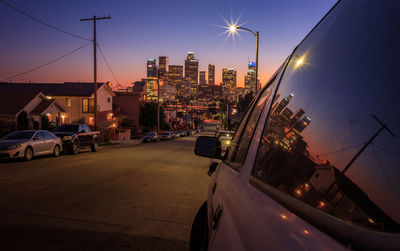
151,137
182,133
30,143
314,163
177,134
166,136
77,136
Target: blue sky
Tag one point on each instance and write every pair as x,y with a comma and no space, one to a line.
147,29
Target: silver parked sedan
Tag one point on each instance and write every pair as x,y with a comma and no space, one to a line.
26,144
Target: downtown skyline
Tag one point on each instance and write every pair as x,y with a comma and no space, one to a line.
138,31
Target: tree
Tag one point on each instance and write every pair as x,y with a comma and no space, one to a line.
244,102
148,117
45,122
22,121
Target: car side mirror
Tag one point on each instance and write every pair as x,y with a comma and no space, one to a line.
36,138
209,147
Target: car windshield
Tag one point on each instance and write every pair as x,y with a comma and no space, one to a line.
19,135
150,134
66,128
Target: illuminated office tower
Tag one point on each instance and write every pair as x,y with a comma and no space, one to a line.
229,83
211,74
302,124
151,68
163,68
296,116
192,68
284,102
203,78
250,79
175,74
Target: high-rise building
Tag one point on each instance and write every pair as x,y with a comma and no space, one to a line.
151,68
229,83
211,74
250,79
151,89
284,102
296,116
203,78
163,68
192,68
175,74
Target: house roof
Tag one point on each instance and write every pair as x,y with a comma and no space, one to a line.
40,108
12,102
51,89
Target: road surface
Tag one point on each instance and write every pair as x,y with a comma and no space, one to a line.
141,197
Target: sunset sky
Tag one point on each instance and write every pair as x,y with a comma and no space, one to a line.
140,30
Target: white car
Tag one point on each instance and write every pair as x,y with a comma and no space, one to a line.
29,143
314,163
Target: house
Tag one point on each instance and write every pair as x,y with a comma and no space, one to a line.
77,98
14,101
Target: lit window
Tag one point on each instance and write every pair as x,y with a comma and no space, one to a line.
69,102
85,105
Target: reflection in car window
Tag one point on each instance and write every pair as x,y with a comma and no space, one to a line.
19,135
330,138
247,134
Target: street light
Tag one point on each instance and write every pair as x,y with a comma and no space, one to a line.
233,28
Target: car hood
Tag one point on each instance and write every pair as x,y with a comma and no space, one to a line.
4,144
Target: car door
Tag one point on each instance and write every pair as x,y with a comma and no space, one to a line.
227,184
39,143
49,143
82,136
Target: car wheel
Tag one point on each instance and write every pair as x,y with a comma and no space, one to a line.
74,148
95,146
199,232
56,151
28,153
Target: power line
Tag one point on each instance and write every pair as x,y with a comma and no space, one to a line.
43,65
105,60
42,22
341,150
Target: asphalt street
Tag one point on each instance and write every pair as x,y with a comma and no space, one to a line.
141,197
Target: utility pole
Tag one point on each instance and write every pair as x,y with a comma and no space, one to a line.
158,106
341,174
94,18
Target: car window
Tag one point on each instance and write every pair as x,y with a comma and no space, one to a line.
40,135
330,138
243,135
47,135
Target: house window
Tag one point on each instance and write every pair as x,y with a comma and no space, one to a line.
108,100
69,102
85,105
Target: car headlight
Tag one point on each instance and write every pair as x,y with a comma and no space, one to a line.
14,146
67,137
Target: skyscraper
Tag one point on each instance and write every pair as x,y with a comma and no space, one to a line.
284,102
229,83
192,68
250,79
163,67
175,74
203,78
151,68
211,74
